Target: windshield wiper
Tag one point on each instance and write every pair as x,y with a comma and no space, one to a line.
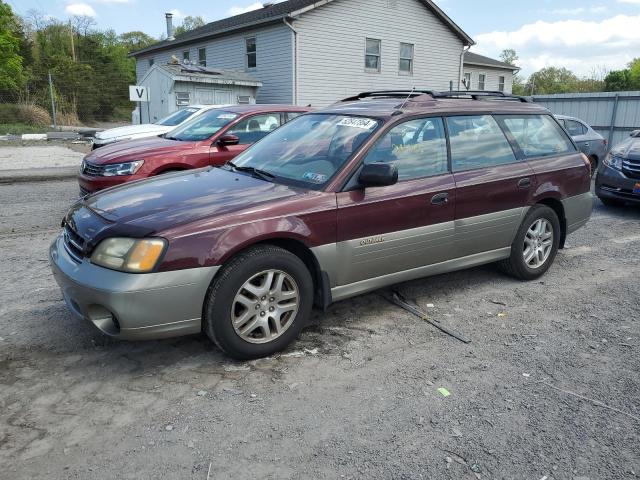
172,138
256,172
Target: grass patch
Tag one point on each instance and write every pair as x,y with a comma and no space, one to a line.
20,128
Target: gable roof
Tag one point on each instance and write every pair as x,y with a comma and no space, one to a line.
273,13
475,59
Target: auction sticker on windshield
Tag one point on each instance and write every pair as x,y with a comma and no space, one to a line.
227,116
357,122
314,177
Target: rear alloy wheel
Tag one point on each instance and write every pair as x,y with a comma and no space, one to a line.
258,302
535,245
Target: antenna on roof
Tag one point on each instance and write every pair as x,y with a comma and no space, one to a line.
407,99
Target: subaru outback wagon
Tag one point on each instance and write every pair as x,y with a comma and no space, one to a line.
377,189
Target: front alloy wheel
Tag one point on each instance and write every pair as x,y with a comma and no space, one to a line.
265,306
258,302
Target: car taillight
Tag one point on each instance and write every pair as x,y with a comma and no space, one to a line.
586,161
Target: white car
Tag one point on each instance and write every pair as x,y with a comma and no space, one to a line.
165,125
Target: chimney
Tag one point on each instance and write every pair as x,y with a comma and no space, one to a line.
169,17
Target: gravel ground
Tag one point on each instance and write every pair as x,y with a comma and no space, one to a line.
39,156
356,397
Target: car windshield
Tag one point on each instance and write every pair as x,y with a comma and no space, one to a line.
202,127
309,150
176,118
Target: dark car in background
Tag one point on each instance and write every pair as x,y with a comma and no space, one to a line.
590,142
378,189
618,178
212,137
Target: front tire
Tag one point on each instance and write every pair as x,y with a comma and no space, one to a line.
611,202
535,245
258,303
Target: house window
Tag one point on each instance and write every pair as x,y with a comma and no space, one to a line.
182,98
501,84
202,57
151,60
467,80
481,81
372,55
244,99
406,58
251,49
185,55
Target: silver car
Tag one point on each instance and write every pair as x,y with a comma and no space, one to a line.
590,142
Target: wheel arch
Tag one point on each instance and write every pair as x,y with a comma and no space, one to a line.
321,284
556,205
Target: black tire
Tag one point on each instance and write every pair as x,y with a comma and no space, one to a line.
593,160
515,265
217,321
611,202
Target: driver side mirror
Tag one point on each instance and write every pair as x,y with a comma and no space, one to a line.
228,139
378,175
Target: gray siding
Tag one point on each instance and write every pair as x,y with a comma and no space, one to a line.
274,64
492,80
599,110
331,47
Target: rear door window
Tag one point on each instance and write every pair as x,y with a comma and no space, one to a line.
478,142
418,148
537,135
575,128
255,128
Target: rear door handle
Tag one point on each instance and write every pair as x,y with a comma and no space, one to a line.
440,199
524,183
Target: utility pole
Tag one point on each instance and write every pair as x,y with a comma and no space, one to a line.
53,102
73,48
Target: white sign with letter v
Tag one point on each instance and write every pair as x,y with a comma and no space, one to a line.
138,93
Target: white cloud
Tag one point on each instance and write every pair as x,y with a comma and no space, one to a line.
80,10
177,14
633,2
577,10
576,44
248,8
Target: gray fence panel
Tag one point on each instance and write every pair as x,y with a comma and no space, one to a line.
612,114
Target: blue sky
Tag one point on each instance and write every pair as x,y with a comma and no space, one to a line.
585,36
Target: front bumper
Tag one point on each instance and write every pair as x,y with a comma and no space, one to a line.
132,306
613,184
89,184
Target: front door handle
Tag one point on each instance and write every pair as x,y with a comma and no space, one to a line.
524,182
440,199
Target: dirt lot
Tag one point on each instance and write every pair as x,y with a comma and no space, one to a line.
356,397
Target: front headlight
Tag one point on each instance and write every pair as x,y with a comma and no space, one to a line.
129,254
117,169
613,161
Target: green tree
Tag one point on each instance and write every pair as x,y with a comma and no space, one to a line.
190,23
552,80
136,40
509,56
617,81
634,74
12,74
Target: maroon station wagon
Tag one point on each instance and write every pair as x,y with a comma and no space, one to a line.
378,189
211,138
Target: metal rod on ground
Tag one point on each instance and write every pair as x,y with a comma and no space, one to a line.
399,300
53,102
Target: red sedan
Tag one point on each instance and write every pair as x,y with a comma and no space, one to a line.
212,138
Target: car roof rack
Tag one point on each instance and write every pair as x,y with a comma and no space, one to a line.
390,94
481,94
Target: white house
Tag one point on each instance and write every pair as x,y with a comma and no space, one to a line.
484,73
316,52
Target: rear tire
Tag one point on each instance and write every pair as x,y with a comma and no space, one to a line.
258,302
535,245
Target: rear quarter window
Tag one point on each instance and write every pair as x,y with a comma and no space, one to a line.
537,135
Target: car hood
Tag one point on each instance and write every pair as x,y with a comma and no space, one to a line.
129,130
162,203
136,150
629,149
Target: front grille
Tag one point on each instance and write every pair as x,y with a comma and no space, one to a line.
631,168
92,169
73,243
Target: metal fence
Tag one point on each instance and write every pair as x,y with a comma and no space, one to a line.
612,114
